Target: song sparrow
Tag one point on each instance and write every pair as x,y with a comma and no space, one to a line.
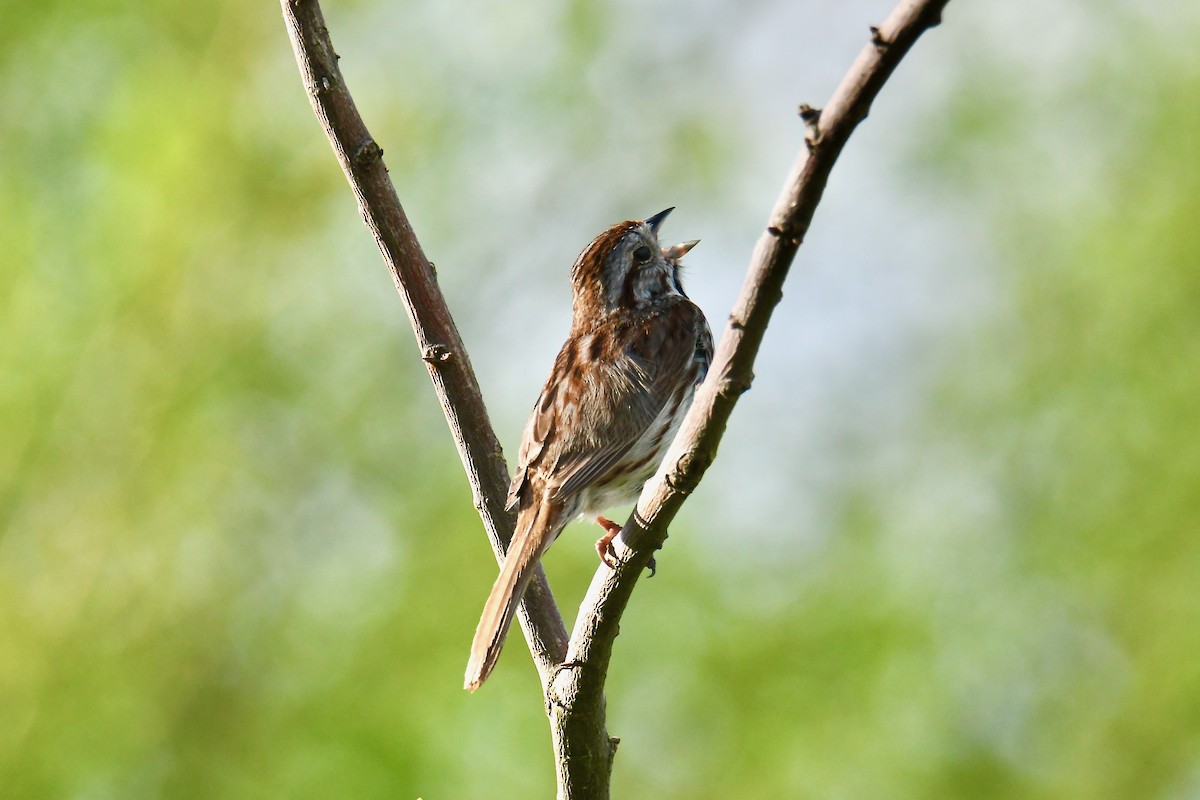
618,391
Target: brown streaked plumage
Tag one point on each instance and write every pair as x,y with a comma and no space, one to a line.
618,390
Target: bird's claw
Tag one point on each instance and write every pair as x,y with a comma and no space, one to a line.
607,553
604,545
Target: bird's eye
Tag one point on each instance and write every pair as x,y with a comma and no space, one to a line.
642,254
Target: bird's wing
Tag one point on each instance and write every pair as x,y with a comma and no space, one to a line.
600,400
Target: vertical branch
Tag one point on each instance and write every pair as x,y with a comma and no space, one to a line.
440,345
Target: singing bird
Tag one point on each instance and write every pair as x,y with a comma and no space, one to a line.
619,389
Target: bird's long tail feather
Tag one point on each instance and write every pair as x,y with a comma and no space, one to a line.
520,562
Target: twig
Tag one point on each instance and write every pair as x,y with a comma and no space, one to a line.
576,695
439,344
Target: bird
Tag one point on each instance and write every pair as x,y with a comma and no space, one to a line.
620,386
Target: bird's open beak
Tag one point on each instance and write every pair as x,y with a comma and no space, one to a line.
678,251
657,220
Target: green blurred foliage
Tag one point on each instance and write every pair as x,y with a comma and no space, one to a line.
237,554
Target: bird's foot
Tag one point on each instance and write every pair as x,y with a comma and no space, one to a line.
606,550
604,545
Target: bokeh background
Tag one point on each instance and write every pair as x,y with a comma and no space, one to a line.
950,547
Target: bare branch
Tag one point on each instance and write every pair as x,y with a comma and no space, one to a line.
576,696
439,344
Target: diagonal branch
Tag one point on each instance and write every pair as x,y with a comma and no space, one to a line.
576,695
437,337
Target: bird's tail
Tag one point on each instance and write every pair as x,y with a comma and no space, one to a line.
520,562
